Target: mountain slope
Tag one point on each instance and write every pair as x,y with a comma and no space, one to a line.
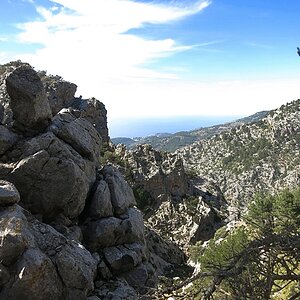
171,142
255,157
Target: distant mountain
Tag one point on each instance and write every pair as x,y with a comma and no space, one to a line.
252,157
171,142
123,140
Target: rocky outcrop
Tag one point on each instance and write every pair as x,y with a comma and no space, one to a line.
39,262
69,228
180,209
8,194
94,111
251,158
28,100
160,174
60,93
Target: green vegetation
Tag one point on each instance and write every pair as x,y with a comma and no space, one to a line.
144,199
259,260
111,157
249,154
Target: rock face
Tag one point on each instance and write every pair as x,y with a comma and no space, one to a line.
161,175
94,111
28,100
8,193
69,228
180,209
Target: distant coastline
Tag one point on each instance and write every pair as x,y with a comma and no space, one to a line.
142,127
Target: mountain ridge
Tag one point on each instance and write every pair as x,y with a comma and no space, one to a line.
172,141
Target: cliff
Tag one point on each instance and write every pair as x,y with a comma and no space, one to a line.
69,226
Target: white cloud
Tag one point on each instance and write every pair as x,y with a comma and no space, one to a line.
91,38
84,42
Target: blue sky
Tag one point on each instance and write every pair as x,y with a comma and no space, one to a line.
162,58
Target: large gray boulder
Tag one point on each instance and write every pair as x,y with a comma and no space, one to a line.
9,195
76,267
102,233
100,205
39,263
49,185
124,258
28,100
117,289
94,111
36,279
133,225
113,231
137,278
7,139
51,177
77,132
121,193
60,93
15,236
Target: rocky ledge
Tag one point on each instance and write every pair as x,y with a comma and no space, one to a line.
69,228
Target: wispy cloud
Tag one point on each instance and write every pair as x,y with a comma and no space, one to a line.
91,36
259,45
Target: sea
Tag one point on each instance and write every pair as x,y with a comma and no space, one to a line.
142,127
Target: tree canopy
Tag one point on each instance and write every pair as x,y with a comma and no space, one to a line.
259,259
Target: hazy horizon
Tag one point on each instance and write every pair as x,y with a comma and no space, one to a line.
142,127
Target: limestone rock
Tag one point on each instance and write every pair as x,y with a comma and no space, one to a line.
43,260
113,231
14,234
121,193
51,176
122,259
29,104
165,255
137,278
4,275
77,132
156,177
100,205
76,267
133,227
9,195
36,279
7,139
103,270
117,290
102,233
50,185
60,93
94,111
53,162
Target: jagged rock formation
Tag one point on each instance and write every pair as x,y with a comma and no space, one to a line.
69,228
258,157
181,208
160,174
